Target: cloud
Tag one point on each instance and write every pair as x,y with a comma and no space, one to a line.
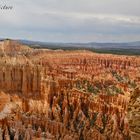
70,20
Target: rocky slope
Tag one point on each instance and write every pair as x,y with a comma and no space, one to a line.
134,114
65,95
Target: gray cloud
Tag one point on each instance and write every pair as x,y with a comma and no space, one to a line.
72,20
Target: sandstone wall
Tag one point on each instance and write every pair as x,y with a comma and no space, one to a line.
22,80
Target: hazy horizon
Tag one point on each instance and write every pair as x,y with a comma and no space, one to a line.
22,39
79,21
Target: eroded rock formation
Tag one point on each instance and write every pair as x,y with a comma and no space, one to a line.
65,95
134,114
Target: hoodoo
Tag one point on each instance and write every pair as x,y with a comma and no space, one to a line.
65,95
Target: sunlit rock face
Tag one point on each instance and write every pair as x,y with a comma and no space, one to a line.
79,95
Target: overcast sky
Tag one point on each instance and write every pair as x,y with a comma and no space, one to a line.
71,20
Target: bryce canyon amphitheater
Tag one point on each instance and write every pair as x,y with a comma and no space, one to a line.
67,95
